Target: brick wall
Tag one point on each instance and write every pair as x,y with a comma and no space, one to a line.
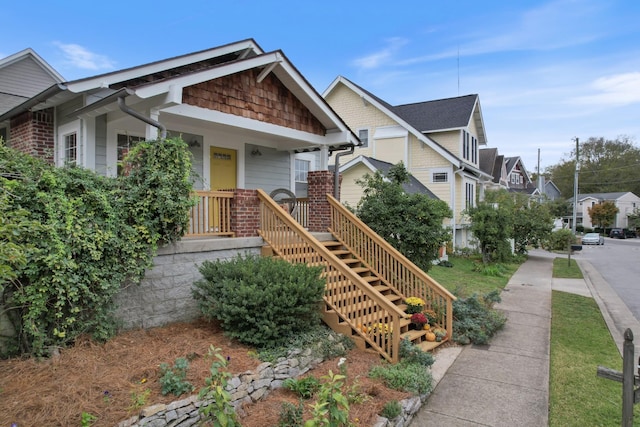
245,213
320,184
32,133
241,95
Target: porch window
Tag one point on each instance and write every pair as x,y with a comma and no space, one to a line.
363,135
70,148
470,195
301,170
125,143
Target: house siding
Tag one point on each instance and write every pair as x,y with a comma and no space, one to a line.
64,112
392,150
450,140
269,171
240,94
21,80
351,192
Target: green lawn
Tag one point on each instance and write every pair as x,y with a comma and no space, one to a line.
563,269
468,275
580,342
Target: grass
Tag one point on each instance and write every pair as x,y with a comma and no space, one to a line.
565,270
468,275
580,342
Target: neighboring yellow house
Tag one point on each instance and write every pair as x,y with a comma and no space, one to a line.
438,141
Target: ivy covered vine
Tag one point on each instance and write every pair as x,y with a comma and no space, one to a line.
76,237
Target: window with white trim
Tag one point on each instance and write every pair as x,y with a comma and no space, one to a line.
439,177
301,170
469,147
125,143
363,136
71,148
469,194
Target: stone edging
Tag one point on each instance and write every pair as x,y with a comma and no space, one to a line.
251,386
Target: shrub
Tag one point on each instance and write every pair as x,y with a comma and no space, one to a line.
475,320
559,240
291,415
174,380
409,377
260,301
411,353
391,410
88,236
304,387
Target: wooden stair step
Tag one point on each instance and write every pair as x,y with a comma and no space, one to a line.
339,252
413,334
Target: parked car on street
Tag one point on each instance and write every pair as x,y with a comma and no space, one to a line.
592,239
617,233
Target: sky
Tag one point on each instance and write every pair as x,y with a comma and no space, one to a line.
546,72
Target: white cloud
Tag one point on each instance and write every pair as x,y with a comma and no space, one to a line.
80,57
615,90
381,57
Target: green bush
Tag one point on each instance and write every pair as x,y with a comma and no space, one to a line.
559,240
88,236
174,380
475,320
291,415
260,301
391,410
409,377
304,387
411,353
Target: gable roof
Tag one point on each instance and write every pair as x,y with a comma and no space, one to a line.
163,81
601,196
23,75
396,115
413,186
512,162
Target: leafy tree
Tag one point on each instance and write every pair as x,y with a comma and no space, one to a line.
411,223
605,166
634,219
492,225
603,213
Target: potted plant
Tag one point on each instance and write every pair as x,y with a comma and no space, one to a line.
419,320
414,305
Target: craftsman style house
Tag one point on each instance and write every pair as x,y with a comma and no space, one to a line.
255,127
438,142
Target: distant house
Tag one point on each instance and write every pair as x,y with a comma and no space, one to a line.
355,169
22,76
438,142
507,173
626,202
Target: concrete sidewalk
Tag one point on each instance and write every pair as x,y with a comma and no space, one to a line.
505,383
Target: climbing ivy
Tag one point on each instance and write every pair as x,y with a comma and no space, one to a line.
88,235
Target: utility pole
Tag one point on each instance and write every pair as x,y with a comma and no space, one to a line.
575,187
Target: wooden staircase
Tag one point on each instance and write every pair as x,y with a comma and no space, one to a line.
367,281
336,322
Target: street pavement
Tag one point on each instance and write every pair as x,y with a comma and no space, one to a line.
506,383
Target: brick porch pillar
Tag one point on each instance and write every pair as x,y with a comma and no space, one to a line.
32,133
245,213
320,183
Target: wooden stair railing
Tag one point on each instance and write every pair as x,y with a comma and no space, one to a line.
361,309
395,269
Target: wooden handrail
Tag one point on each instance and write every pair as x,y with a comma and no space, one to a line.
212,214
395,269
352,298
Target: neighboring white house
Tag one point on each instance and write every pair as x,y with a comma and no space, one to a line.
438,142
626,202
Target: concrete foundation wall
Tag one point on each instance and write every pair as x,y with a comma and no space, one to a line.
164,296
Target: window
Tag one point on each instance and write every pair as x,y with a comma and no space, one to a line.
439,177
301,170
70,148
363,135
469,194
125,143
469,147
474,149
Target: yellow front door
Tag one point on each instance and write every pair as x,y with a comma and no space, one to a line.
222,176
223,169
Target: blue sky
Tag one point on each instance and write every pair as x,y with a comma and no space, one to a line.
546,71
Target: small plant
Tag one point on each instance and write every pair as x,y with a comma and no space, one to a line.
475,320
139,398
291,415
86,420
174,380
220,412
304,387
410,377
332,406
419,319
414,305
411,353
106,397
391,410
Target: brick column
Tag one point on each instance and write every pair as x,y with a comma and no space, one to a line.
320,183
245,213
33,133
